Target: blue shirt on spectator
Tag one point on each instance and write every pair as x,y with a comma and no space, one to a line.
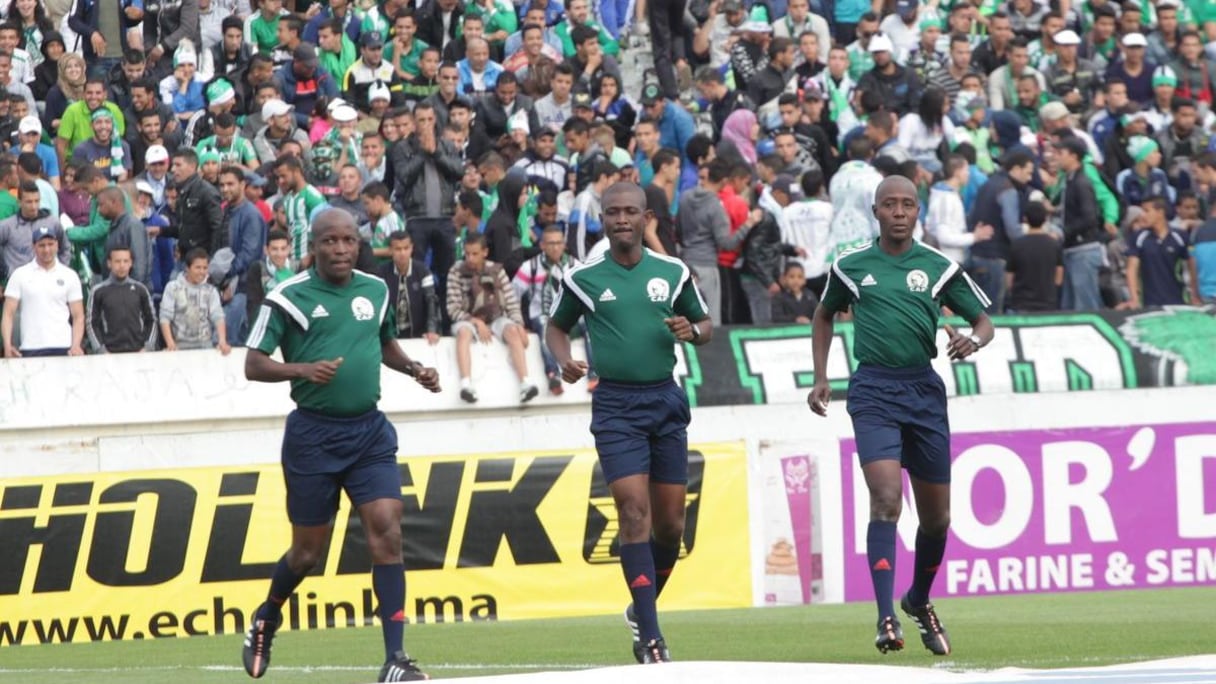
1160,259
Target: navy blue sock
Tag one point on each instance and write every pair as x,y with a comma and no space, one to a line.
638,564
880,552
929,552
388,581
665,558
283,583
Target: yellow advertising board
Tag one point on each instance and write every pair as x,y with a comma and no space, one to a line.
137,555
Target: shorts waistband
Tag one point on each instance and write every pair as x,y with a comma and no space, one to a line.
330,418
637,386
894,373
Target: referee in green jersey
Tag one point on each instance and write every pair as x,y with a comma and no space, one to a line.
334,327
896,287
636,304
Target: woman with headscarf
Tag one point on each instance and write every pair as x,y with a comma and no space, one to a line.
509,238
613,106
739,134
68,89
47,71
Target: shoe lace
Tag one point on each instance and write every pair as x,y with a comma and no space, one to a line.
656,651
929,616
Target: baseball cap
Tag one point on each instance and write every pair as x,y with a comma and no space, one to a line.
45,232
378,91
812,91
255,179
651,94
1053,111
1066,37
344,114
275,107
1135,40
371,39
156,154
906,7
543,132
786,184
1164,75
305,53
582,100
144,187
879,42
29,124
1074,145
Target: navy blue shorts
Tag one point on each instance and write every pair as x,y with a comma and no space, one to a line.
323,455
641,429
900,414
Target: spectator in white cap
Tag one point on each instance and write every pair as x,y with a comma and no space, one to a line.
280,127
860,59
1160,112
1056,119
749,54
1042,50
379,98
1071,78
156,174
344,135
29,137
183,89
897,86
1134,69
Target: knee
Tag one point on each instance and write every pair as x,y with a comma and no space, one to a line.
885,504
634,518
303,558
669,532
935,526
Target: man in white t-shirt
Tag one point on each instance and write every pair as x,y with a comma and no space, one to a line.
43,292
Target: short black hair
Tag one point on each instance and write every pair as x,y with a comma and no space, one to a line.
1035,214
30,163
186,154
664,157
194,255
471,200
698,147
812,182
225,120
376,189
277,235
399,235
719,170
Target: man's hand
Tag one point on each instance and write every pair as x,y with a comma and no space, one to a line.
134,13
773,289
11,352
426,140
170,345
431,338
75,350
960,346
573,371
681,328
154,54
483,330
427,377
819,397
224,348
983,231
321,372
99,43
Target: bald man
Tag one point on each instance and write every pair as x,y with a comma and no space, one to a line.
637,305
896,288
331,325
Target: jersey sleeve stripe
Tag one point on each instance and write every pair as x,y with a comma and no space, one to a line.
946,276
977,291
288,308
848,282
259,328
568,283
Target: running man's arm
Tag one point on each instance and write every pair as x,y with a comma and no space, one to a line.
264,338
567,309
837,296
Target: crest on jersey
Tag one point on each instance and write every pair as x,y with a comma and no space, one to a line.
362,308
658,290
918,281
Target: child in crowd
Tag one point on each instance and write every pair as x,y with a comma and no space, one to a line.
1035,269
794,303
191,315
384,220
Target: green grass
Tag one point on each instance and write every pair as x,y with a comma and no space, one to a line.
1064,630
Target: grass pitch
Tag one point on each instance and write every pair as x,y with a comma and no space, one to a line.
1040,631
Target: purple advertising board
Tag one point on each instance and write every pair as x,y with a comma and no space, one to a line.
1060,510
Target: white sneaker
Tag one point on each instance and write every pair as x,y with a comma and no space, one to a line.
527,392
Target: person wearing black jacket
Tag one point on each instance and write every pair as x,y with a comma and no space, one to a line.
120,315
763,254
431,25
771,81
502,230
1082,223
411,291
426,169
1000,204
898,86
494,110
200,219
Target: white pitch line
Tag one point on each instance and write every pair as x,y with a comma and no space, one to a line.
300,668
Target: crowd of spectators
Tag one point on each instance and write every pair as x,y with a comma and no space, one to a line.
164,159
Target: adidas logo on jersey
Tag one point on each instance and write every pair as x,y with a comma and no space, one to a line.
320,312
868,280
607,296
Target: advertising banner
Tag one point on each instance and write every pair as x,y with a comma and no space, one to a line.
1060,510
793,542
1065,352
185,552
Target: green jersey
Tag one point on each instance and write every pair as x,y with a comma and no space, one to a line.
313,320
239,151
380,229
624,310
299,207
337,63
406,61
264,34
896,301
